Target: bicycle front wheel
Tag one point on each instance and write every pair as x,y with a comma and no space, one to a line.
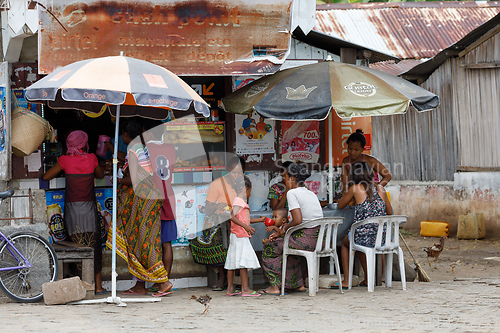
25,284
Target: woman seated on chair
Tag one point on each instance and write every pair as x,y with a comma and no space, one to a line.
371,201
303,206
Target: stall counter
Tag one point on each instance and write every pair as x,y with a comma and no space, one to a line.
260,229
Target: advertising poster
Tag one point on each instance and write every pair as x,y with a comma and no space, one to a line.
3,118
317,183
342,128
300,141
21,100
55,215
254,134
104,198
260,189
188,139
241,81
201,197
185,214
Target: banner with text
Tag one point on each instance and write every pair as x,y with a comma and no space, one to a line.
187,37
342,129
300,141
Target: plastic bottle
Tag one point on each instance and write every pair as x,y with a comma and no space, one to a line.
101,145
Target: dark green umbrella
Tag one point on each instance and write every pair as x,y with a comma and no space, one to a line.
309,92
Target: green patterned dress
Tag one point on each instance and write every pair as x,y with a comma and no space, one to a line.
272,257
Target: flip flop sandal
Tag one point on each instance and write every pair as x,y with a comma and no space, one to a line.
236,292
252,294
152,289
131,292
264,292
101,292
362,284
217,288
162,293
336,286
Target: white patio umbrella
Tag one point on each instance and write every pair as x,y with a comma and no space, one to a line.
129,87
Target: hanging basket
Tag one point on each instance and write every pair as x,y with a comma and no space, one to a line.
28,131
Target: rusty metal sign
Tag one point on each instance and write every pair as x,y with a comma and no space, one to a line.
187,37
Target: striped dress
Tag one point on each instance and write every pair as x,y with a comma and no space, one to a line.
138,229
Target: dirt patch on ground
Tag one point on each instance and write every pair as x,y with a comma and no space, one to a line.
470,258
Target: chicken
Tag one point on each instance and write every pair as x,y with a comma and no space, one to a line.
434,251
205,300
453,264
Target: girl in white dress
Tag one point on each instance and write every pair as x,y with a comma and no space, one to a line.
240,254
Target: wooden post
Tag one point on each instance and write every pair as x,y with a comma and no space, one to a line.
348,55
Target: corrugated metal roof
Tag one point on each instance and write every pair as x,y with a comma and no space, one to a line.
394,68
333,45
425,69
408,30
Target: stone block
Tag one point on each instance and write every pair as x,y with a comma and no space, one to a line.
410,272
63,291
471,226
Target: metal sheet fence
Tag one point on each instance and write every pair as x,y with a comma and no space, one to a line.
461,134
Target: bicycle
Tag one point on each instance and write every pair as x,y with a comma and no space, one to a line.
27,261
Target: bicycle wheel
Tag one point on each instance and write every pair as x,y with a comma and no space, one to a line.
25,284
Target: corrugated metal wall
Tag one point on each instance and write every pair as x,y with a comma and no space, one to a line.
420,146
463,132
479,107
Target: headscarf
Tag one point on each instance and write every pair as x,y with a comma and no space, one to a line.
76,140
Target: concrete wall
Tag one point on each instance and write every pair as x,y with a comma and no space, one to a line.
20,208
470,192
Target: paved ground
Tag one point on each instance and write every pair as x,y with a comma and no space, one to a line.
465,301
456,306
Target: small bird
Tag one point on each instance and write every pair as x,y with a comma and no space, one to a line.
205,300
453,264
434,251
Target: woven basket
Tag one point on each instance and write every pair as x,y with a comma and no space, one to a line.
28,131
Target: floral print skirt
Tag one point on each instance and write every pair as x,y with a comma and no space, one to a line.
272,257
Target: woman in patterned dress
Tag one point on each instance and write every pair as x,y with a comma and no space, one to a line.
138,227
303,206
356,143
208,249
371,201
278,191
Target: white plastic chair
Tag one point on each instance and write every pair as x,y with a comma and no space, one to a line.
327,248
390,247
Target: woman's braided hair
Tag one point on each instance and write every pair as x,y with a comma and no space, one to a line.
299,171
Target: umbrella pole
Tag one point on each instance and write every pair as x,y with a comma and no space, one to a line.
115,189
330,156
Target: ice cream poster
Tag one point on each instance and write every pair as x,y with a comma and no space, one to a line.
185,214
254,134
201,197
300,141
